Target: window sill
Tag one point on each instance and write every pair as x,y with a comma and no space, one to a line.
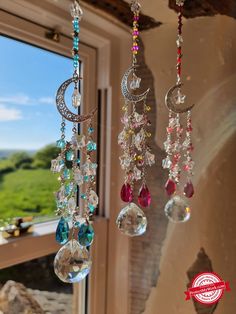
27,247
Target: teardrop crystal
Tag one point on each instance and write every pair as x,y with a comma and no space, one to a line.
170,187
189,189
132,221
177,209
76,98
72,262
76,11
62,232
144,197
126,193
86,234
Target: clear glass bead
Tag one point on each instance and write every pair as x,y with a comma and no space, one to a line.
149,158
93,198
135,6
76,98
166,163
76,11
72,262
177,209
132,221
135,82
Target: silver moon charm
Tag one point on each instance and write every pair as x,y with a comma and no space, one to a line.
125,90
62,107
171,105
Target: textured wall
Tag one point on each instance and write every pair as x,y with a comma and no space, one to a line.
209,77
146,250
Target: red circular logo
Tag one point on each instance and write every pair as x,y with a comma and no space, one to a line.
207,288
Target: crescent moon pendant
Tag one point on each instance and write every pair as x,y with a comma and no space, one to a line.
171,104
125,90
62,107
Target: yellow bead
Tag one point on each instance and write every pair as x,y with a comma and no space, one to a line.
147,108
148,134
131,132
124,108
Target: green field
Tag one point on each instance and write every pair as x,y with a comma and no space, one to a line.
27,192
27,184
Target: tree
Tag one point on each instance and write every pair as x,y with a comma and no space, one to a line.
43,157
20,158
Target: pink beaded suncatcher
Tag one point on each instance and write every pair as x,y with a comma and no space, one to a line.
133,141
178,145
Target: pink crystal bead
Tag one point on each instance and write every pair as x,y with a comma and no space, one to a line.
126,193
170,187
188,189
144,197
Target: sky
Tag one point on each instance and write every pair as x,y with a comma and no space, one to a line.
29,79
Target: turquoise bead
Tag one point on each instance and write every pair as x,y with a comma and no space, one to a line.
76,63
83,196
61,143
91,208
70,155
91,146
86,178
66,174
62,232
90,130
86,234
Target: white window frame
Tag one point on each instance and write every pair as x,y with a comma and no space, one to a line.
109,277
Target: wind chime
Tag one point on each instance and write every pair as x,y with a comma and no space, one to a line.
133,141
178,145
76,198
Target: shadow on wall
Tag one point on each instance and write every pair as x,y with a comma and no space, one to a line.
212,226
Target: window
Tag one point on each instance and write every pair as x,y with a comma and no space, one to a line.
30,125
23,21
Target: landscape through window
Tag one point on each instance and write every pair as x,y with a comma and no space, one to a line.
29,128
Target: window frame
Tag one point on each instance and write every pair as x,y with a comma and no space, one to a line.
110,273
42,241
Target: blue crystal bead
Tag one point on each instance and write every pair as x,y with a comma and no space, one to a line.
69,188
78,161
91,208
62,232
61,143
86,235
90,130
76,64
70,155
91,146
76,58
86,178
66,174
83,196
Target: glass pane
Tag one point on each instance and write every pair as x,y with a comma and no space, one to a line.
29,128
38,284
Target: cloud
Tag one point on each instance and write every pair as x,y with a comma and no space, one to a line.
23,99
19,99
46,100
7,114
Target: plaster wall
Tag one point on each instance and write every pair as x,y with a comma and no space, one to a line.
209,78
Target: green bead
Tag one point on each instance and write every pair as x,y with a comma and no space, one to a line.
86,234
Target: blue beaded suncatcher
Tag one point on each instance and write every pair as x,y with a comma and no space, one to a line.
76,198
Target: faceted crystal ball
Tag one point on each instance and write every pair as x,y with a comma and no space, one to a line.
132,221
177,209
72,262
